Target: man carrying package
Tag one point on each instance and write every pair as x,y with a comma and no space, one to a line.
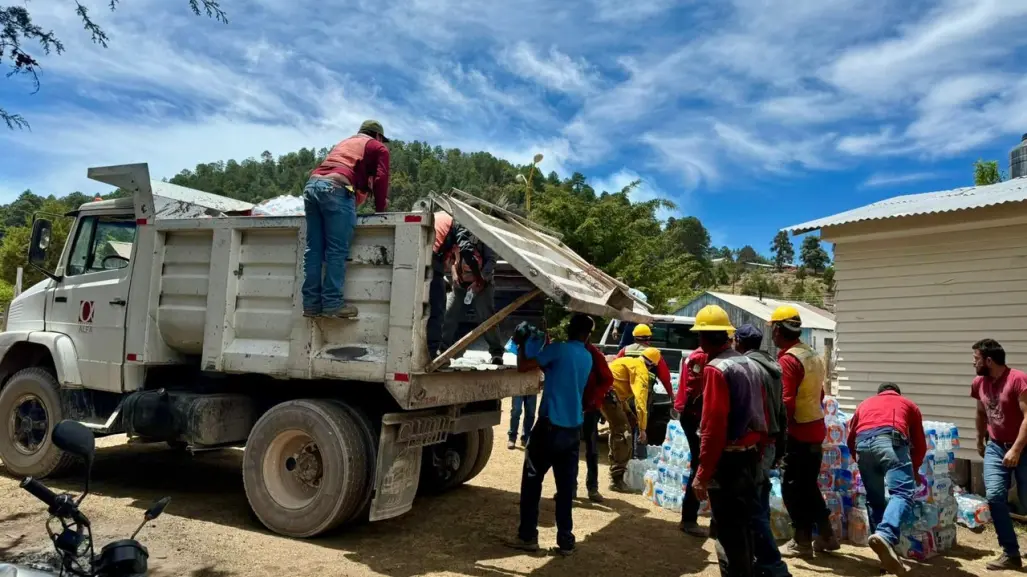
886,433
625,408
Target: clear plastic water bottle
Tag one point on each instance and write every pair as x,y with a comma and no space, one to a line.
469,297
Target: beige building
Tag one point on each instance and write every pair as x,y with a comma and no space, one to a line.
920,278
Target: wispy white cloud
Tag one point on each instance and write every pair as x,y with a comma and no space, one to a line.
879,179
644,191
554,70
698,93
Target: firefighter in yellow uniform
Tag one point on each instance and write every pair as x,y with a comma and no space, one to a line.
625,407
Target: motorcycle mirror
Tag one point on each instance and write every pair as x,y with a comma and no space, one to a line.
75,438
156,509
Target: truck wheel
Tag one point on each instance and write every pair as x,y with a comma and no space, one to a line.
30,407
449,464
486,438
305,467
370,433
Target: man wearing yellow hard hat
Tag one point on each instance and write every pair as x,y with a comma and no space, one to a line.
734,428
643,336
802,379
625,408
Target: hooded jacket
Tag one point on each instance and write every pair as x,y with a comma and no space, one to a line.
777,415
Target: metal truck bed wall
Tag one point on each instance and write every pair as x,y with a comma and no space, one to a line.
229,292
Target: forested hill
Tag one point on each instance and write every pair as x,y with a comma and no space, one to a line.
666,260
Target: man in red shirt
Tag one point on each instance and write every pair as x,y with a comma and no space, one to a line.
600,382
734,426
802,378
688,404
331,196
886,434
643,336
1001,394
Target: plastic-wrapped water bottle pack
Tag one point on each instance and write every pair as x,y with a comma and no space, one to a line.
663,475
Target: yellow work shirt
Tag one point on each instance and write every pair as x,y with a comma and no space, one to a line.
631,381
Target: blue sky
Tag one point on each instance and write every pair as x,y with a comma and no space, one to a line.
750,114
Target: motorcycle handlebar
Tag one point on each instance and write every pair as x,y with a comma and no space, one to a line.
40,491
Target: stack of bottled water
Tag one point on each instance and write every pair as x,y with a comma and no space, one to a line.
973,511
839,479
663,475
932,526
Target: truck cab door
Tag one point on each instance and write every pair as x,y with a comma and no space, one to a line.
89,303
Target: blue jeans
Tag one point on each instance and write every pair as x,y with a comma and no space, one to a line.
331,218
997,479
555,448
884,459
768,556
528,403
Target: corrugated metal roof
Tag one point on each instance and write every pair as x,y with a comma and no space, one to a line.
1014,190
812,317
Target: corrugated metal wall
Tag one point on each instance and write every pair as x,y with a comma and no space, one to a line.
909,309
739,317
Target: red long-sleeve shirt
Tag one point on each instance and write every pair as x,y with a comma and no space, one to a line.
600,380
689,379
890,409
662,371
376,156
792,374
715,410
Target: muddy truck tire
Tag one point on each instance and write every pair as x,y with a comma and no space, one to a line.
305,468
30,407
486,438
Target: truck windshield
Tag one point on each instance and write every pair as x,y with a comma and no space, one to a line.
674,336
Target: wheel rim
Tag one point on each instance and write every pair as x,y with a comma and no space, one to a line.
29,424
446,458
293,469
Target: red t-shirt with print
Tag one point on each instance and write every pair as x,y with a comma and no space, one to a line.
1001,400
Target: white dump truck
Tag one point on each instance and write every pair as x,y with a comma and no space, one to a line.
174,316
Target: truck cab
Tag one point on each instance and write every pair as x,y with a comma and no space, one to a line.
174,316
674,337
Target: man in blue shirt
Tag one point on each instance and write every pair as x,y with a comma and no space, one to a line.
555,439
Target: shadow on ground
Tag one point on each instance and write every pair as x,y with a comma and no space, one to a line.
464,531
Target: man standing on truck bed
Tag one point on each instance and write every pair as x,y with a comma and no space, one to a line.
473,273
734,428
556,438
802,377
1001,394
353,169
625,408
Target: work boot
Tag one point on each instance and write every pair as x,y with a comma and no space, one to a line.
595,496
800,546
1005,562
617,485
522,545
343,312
890,561
498,361
693,529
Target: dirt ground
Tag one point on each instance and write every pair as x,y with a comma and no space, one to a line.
208,530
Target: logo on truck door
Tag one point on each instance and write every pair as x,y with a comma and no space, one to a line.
85,312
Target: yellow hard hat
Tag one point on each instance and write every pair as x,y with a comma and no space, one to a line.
642,331
785,313
712,318
652,355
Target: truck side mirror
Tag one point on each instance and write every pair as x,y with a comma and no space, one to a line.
39,245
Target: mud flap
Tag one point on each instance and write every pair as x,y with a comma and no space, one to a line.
399,459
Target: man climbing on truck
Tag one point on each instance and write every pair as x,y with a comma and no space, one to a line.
353,169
